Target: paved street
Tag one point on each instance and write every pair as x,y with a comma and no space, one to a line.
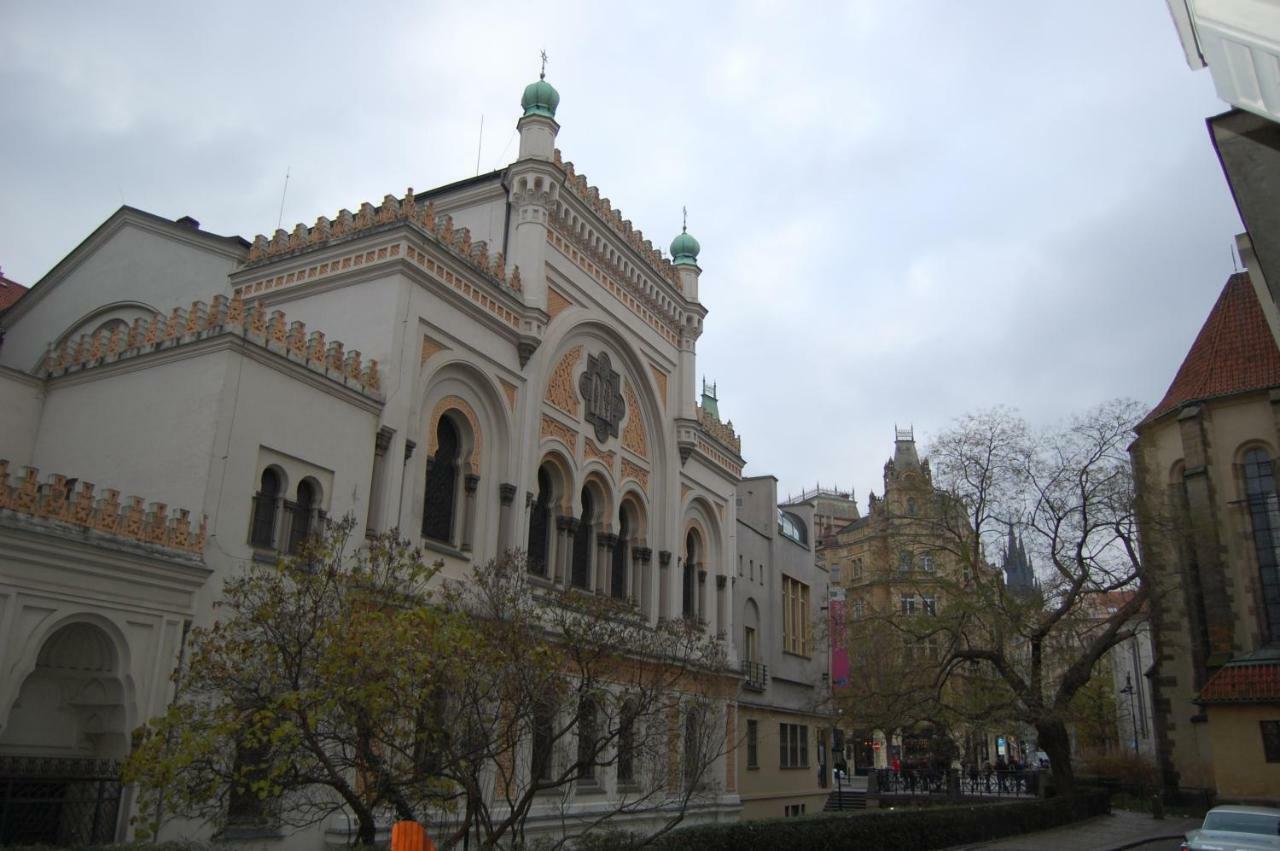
1121,829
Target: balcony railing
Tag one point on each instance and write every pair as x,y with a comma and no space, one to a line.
756,675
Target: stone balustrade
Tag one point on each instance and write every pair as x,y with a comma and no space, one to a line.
79,504
474,254
221,316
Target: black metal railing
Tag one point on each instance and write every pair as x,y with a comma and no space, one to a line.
959,782
756,675
57,801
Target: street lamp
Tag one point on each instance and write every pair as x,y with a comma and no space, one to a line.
1133,718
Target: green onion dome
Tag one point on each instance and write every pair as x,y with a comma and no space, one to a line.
684,250
540,98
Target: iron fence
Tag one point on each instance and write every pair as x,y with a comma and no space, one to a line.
58,801
958,782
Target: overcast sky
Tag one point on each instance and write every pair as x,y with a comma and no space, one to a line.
907,210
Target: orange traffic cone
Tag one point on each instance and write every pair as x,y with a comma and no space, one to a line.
410,836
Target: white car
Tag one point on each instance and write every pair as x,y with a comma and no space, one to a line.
1236,829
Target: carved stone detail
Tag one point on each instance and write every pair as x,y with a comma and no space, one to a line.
600,386
632,470
430,347
560,388
510,390
556,302
633,436
660,378
592,452
552,427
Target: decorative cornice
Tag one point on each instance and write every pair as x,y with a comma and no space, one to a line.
205,321
75,503
370,219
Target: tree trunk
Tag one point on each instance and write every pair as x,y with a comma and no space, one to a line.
1055,742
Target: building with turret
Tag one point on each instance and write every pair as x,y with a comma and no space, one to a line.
505,362
1019,575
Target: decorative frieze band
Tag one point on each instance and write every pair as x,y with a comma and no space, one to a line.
220,316
77,503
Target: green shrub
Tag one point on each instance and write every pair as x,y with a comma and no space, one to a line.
889,830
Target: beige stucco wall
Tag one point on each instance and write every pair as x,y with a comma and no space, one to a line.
1240,767
768,789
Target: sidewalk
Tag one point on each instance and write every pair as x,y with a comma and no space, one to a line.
1121,829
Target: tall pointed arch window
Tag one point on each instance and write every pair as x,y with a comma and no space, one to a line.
266,502
305,513
440,503
618,569
582,543
1264,515
689,578
539,526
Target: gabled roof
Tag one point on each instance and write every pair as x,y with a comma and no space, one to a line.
10,291
1254,678
1233,353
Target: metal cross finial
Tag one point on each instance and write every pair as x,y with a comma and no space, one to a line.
543,74
684,228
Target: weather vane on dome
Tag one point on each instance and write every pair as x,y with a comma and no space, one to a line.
684,226
543,74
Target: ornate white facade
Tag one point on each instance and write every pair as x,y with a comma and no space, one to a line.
511,330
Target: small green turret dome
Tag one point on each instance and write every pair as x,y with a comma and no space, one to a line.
684,250
540,98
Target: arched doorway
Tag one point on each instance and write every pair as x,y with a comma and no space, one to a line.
60,751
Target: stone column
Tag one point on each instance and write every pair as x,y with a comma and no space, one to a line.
506,499
721,620
639,576
381,443
565,527
604,547
469,484
664,582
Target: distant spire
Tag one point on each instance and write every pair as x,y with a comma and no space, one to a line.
684,226
542,75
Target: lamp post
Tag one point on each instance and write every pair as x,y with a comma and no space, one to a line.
1133,718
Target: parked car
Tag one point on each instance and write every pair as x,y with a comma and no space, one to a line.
1236,829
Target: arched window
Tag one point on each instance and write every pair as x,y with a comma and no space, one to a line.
689,577
1264,512
542,740
618,570
588,738
627,743
442,484
581,574
262,531
539,524
911,506
305,514
694,747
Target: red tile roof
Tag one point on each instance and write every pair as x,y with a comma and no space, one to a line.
10,291
1251,683
1233,353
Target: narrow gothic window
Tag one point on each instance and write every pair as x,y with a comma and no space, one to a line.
1264,512
690,566
539,523
627,743
442,484
588,739
618,577
263,531
304,514
582,542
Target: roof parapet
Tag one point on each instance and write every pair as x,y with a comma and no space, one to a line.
76,503
347,224
202,321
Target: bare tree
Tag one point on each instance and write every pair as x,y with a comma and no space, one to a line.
337,681
1069,494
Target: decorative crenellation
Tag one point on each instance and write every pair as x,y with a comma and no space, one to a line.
202,321
590,195
722,432
326,231
78,504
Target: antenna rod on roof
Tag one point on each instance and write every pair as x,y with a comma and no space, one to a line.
283,193
480,144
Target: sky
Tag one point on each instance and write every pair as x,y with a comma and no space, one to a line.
908,211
